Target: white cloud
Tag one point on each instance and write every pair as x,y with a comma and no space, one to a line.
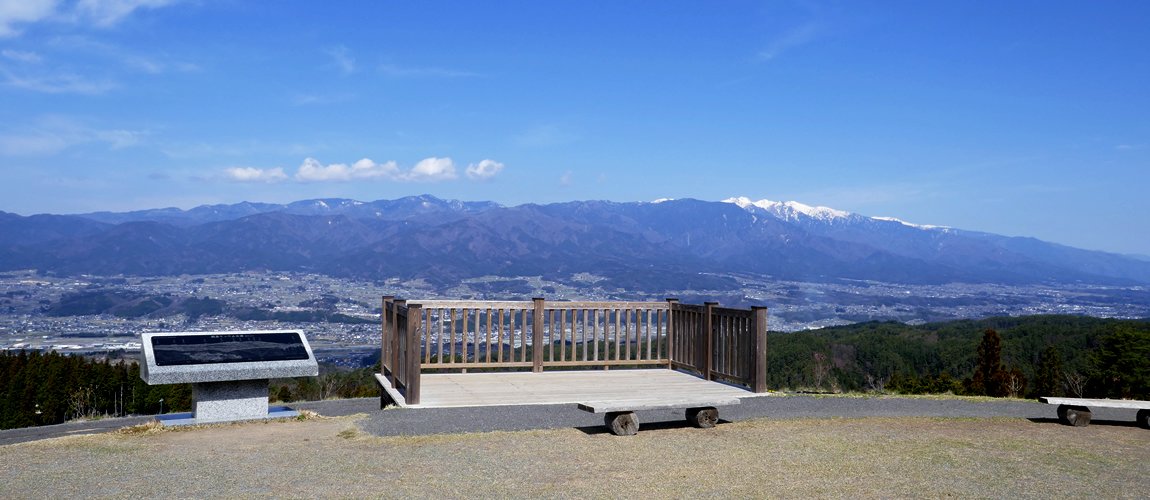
432,170
108,12
566,179
19,55
128,58
484,171
23,11
52,134
58,84
365,169
250,174
343,59
1126,147
794,37
32,144
427,170
102,13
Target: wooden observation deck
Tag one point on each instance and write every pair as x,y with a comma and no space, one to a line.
540,352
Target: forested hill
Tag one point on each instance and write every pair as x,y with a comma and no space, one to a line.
883,349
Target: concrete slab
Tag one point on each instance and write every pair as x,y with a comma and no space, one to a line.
179,419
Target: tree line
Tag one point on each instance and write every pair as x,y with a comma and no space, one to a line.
52,388
1029,356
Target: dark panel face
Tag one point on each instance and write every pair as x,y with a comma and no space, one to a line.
206,349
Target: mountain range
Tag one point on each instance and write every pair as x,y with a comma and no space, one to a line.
661,245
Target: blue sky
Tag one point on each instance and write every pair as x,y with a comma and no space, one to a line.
1019,118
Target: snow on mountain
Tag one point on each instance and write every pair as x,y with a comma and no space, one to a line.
905,223
794,211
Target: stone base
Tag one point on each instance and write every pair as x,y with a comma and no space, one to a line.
178,419
230,401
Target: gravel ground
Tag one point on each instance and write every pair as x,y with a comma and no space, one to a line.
426,421
879,457
423,421
13,436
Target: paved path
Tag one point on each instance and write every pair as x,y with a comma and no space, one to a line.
422,421
13,436
332,408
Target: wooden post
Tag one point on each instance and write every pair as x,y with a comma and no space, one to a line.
383,317
395,355
707,343
537,336
671,303
414,337
759,325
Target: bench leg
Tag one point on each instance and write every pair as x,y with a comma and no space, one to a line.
1078,416
703,418
621,423
1144,418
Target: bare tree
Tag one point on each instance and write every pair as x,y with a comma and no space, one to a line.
875,384
1075,383
821,369
80,400
330,384
1014,385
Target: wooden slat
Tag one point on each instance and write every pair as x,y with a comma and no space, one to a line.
487,357
583,335
527,304
474,304
451,348
604,305
643,404
620,362
493,364
627,333
499,336
1098,403
735,313
562,334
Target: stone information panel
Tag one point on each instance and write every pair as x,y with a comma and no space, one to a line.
233,348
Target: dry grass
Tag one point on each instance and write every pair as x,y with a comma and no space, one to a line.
872,457
943,396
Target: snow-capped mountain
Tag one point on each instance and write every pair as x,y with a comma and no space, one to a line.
793,211
638,246
947,245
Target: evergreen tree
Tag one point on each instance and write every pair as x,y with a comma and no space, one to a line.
990,379
1122,365
1048,376
284,394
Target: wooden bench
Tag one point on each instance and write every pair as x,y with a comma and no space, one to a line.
620,416
1076,411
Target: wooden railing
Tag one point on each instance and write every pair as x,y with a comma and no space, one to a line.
719,342
399,359
459,334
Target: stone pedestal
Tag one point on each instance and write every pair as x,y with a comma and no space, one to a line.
230,401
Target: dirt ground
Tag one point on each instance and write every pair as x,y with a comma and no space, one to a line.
848,458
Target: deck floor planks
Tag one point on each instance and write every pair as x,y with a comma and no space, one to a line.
440,390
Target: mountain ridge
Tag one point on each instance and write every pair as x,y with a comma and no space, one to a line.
443,241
